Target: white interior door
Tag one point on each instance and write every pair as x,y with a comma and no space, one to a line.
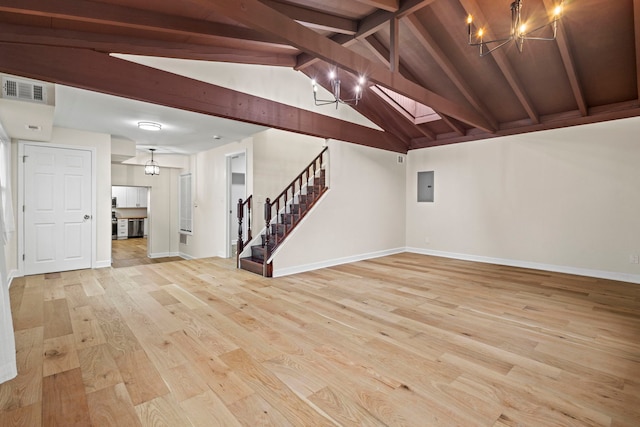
236,172
57,209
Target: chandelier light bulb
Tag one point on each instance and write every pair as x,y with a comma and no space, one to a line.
469,19
523,29
557,11
332,75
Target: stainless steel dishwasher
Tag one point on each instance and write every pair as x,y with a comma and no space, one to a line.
136,227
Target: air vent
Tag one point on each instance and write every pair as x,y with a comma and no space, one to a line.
400,159
23,90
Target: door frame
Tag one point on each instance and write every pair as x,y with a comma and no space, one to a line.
21,181
229,207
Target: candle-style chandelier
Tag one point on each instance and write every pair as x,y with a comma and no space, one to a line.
519,30
335,91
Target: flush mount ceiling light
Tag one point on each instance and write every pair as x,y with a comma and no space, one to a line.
519,30
335,89
151,167
150,126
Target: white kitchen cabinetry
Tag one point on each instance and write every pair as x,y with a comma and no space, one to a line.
136,197
123,229
120,193
130,197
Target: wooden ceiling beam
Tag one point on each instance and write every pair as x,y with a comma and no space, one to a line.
472,8
602,113
569,63
86,69
126,17
382,53
394,46
136,46
389,5
367,27
314,18
259,16
429,44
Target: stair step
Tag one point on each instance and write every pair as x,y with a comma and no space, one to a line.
289,218
265,242
251,265
298,208
306,198
258,253
278,229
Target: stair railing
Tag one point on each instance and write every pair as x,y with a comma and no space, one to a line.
286,198
244,210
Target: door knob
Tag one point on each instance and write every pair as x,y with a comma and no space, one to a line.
86,217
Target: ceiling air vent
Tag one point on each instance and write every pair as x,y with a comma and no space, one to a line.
23,90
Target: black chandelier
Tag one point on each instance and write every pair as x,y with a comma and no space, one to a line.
519,30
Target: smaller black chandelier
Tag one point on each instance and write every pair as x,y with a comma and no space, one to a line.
519,30
151,167
335,91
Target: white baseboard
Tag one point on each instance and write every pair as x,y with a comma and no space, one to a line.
280,272
8,371
600,274
165,254
186,256
12,275
103,264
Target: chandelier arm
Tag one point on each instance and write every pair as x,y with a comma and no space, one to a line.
555,32
508,39
483,54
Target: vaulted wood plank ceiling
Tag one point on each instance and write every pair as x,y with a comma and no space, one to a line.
416,48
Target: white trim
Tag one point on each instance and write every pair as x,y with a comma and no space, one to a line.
333,262
20,186
103,264
600,274
8,371
165,254
228,253
12,275
185,256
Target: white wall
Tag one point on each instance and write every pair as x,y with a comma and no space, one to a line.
361,216
163,207
209,175
564,200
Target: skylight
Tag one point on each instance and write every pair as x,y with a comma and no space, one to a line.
414,111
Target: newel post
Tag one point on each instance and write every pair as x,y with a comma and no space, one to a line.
240,212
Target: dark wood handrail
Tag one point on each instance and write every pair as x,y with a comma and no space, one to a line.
300,181
313,162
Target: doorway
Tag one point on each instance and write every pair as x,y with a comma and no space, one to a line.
237,189
57,196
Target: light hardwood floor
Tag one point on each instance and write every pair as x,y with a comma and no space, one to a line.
405,340
131,252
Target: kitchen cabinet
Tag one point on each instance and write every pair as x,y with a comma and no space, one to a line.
130,197
123,229
120,193
146,227
136,197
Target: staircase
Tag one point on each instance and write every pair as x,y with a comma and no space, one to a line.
281,216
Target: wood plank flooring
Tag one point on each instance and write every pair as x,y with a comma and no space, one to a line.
404,340
132,252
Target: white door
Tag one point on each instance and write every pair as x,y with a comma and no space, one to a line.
236,172
57,209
